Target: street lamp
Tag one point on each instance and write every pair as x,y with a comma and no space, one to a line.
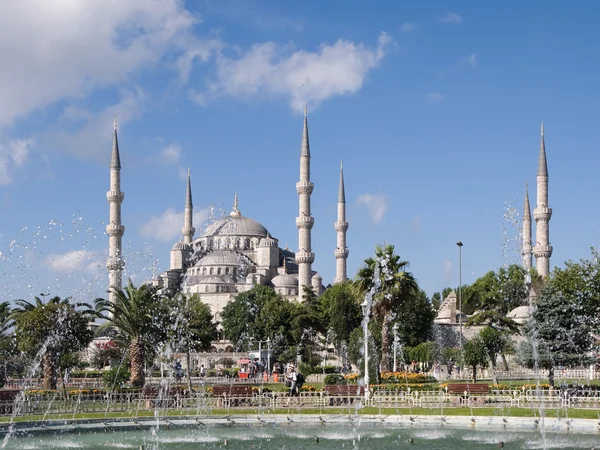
365,309
395,329
268,357
460,245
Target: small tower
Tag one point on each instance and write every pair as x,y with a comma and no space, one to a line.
542,214
341,227
527,248
304,257
188,229
115,229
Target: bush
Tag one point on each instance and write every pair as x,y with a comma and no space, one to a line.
334,378
211,373
116,377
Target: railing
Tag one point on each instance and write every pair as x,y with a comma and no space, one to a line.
134,404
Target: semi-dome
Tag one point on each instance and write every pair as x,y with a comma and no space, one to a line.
224,258
181,246
285,280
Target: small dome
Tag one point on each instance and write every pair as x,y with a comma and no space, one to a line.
224,258
268,242
182,246
285,280
316,276
522,314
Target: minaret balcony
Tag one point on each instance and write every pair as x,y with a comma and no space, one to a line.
304,187
115,196
113,229
341,226
188,231
305,221
527,249
542,213
542,251
303,257
115,263
341,253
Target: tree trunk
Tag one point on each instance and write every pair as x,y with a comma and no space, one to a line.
136,355
384,365
189,370
492,369
505,362
474,373
551,376
49,369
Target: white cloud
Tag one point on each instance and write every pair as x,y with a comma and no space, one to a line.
166,227
407,27
93,137
74,261
12,157
435,97
471,60
302,76
448,271
450,17
64,49
170,154
376,204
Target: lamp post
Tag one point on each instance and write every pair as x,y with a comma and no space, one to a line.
460,245
268,357
365,308
395,329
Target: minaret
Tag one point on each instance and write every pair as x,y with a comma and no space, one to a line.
114,229
542,214
527,249
304,257
188,229
341,226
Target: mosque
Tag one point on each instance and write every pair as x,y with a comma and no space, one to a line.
234,253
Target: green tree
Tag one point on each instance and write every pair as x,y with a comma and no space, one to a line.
240,316
415,317
494,342
474,354
192,328
397,287
7,347
49,330
137,320
436,301
340,311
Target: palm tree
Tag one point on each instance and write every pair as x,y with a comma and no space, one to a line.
52,328
396,287
135,320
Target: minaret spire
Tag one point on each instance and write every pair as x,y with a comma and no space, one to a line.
527,248
304,257
188,229
115,229
542,214
341,227
235,212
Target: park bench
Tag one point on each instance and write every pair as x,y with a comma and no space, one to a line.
239,390
461,388
344,389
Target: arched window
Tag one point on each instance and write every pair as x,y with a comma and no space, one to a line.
226,270
204,271
211,271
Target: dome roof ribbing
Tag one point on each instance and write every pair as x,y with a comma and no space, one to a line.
236,226
285,280
224,258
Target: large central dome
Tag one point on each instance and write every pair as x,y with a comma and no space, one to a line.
235,225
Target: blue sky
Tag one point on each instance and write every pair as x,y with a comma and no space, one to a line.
435,108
